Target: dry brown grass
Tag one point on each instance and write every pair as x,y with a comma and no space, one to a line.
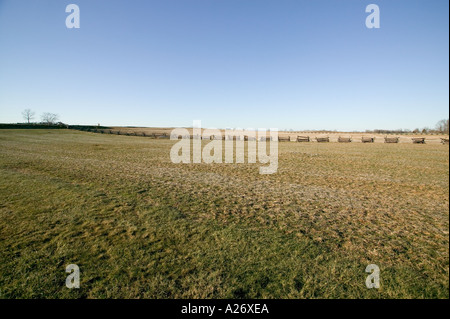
141,226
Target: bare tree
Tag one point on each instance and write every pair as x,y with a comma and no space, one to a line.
28,115
442,126
49,118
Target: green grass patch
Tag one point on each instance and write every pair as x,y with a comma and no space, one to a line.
139,226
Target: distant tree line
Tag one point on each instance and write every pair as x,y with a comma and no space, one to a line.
46,118
440,128
33,126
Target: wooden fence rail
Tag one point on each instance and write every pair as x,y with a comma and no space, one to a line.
344,139
322,139
391,139
303,139
284,138
299,138
418,140
367,139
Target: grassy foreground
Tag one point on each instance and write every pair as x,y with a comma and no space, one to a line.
139,226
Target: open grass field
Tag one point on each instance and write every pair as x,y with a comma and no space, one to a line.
140,226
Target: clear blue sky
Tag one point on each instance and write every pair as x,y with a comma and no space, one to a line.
230,63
